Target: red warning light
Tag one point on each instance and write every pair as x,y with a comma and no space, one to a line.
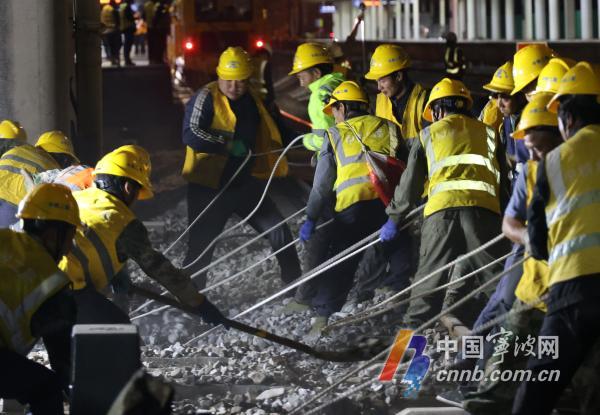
188,45
331,35
260,43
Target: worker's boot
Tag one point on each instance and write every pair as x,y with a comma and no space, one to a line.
294,307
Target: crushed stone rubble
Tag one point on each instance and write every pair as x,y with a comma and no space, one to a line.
228,372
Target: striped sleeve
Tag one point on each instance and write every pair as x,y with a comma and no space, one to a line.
198,117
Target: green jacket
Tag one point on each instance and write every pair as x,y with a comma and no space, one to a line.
321,90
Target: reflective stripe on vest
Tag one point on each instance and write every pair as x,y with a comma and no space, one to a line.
19,159
11,169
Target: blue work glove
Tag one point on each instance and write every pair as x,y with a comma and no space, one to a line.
238,148
388,231
211,314
307,229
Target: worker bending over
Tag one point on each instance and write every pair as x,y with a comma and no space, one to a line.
113,234
464,162
223,122
342,169
35,299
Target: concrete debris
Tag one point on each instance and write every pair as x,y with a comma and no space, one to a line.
271,393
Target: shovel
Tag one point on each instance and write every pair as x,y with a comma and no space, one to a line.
360,353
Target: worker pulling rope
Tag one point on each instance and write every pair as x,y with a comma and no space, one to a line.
423,326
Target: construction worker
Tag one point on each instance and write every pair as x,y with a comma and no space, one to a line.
464,204
343,170
222,123
262,78
149,12
400,99
161,26
563,227
538,127
128,28
454,59
500,87
11,135
528,63
35,299
111,35
59,146
16,165
313,66
112,234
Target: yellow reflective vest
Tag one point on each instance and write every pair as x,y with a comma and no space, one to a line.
26,158
536,274
491,115
353,183
412,119
29,277
462,166
94,255
206,168
573,172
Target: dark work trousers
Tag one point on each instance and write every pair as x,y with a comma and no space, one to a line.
578,328
30,383
7,214
445,236
240,199
128,37
349,226
94,308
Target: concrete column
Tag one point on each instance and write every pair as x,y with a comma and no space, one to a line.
442,20
398,17
471,34
569,12
554,19
407,20
528,29
495,19
36,63
509,21
540,19
454,19
381,22
587,19
462,19
371,23
416,20
482,26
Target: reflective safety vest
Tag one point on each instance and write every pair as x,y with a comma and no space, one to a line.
207,168
29,277
491,115
573,172
536,274
462,166
320,93
412,119
76,177
94,255
353,183
28,158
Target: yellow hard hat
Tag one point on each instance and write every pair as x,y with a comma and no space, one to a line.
551,75
502,81
346,91
309,55
50,201
128,163
234,64
387,59
581,79
56,142
12,130
535,114
140,152
528,63
447,88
